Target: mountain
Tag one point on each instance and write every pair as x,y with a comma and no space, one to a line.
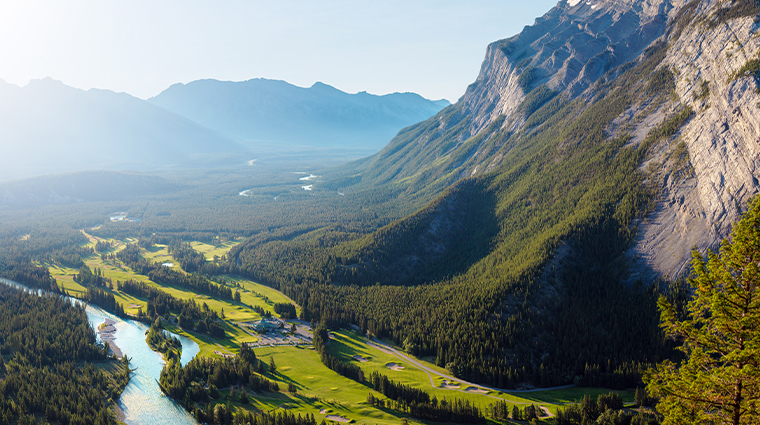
566,57
262,110
48,127
82,186
594,150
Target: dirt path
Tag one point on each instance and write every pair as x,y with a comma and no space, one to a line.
547,413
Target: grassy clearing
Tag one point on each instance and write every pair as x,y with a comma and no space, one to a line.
209,346
255,294
574,394
318,388
211,250
159,254
348,343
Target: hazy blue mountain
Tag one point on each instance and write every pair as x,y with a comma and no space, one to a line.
262,110
48,127
83,186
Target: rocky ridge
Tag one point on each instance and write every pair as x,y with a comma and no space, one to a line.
569,48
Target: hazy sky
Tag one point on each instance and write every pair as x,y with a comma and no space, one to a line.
432,47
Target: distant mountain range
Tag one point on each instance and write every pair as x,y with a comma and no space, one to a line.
47,127
262,110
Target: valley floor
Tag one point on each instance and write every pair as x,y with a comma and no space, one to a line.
319,390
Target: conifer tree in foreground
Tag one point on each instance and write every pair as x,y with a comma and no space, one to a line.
718,381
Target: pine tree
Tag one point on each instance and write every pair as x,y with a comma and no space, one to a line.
719,381
639,397
516,414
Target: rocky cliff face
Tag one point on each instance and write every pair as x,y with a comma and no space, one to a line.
567,49
697,208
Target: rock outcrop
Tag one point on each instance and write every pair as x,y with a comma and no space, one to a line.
723,141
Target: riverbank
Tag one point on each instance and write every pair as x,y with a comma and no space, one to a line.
107,333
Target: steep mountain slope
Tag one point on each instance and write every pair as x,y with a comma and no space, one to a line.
47,127
275,111
539,189
707,175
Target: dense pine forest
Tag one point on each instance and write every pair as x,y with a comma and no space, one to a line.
51,370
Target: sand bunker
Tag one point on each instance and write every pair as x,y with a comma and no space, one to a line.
323,411
394,366
359,358
338,418
219,353
135,306
450,385
476,390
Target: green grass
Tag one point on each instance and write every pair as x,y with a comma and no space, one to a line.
209,346
257,294
574,394
347,344
159,254
318,388
211,250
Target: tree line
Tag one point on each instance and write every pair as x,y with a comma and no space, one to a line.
320,340
161,303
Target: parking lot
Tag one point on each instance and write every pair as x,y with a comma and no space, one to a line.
283,336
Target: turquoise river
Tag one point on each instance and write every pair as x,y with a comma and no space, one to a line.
142,401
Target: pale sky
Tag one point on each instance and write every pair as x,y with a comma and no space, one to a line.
432,47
